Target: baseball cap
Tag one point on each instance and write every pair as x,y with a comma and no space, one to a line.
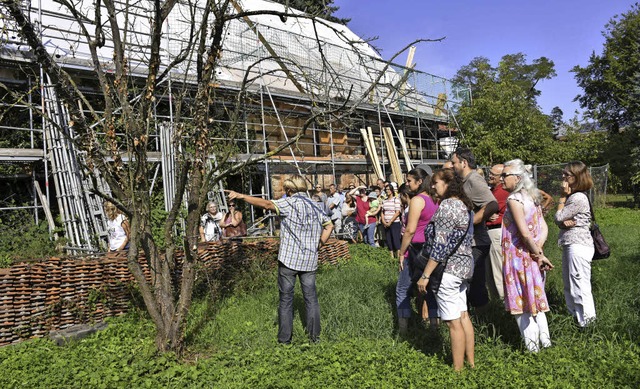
373,195
426,168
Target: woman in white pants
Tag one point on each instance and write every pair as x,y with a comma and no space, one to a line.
574,218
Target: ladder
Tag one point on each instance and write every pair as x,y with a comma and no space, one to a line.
80,210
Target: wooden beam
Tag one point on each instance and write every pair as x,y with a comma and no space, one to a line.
405,152
393,155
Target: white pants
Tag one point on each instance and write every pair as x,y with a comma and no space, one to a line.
451,297
576,275
494,267
337,226
534,330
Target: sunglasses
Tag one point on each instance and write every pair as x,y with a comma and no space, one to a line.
505,175
232,205
566,174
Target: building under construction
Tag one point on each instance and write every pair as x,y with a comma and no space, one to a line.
400,115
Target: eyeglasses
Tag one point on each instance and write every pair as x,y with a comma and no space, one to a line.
505,175
232,205
492,174
567,174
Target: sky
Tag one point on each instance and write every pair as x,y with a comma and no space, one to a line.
565,31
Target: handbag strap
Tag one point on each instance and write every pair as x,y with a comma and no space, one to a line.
593,215
444,263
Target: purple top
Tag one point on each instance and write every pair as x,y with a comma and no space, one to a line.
425,217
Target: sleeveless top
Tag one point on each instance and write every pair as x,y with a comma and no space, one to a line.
117,234
429,209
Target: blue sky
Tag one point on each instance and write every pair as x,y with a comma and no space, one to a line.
565,31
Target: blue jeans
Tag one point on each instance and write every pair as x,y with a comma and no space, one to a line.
368,231
286,284
403,291
404,287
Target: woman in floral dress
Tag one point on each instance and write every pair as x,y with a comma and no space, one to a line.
524,232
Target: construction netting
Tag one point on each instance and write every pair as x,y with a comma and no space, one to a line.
549,179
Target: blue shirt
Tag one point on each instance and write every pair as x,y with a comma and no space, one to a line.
337,200
300,231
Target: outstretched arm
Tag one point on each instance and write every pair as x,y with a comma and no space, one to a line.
255,201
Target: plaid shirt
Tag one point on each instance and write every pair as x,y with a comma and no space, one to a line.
300,231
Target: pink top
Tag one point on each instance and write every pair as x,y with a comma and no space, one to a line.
425,217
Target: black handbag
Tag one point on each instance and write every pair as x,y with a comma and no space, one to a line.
435,278
600,245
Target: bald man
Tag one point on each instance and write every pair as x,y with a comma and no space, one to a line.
494,229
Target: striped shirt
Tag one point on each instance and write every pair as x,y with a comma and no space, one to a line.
389,208
300,231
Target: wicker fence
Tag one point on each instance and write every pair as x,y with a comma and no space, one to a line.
43,296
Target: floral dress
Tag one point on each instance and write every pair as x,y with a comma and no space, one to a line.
523,282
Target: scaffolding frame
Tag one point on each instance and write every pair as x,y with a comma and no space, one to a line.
330,151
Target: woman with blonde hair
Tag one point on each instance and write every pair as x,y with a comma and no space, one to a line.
524,233
117,227
574,219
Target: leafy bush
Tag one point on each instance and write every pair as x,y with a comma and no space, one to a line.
22,239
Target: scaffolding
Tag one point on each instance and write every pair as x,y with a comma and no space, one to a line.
416,104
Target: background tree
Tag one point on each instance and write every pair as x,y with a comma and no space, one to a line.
611,84
557,122
503,121
320,8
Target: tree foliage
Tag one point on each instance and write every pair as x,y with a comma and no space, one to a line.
320,8
611,85
503,120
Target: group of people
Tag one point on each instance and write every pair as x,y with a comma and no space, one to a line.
455,235
451,231
215,225
494,231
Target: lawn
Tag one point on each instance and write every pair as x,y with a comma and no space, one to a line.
231,336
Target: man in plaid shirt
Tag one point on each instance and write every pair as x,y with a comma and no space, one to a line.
304,227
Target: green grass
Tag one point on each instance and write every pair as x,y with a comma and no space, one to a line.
231,336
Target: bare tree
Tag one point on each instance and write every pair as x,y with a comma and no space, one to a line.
132,77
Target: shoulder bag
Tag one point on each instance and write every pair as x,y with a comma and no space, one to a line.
600,245
435,278
237,231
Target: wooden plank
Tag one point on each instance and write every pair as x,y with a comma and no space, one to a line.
374,153
371,150
45,207
393,155
405,152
